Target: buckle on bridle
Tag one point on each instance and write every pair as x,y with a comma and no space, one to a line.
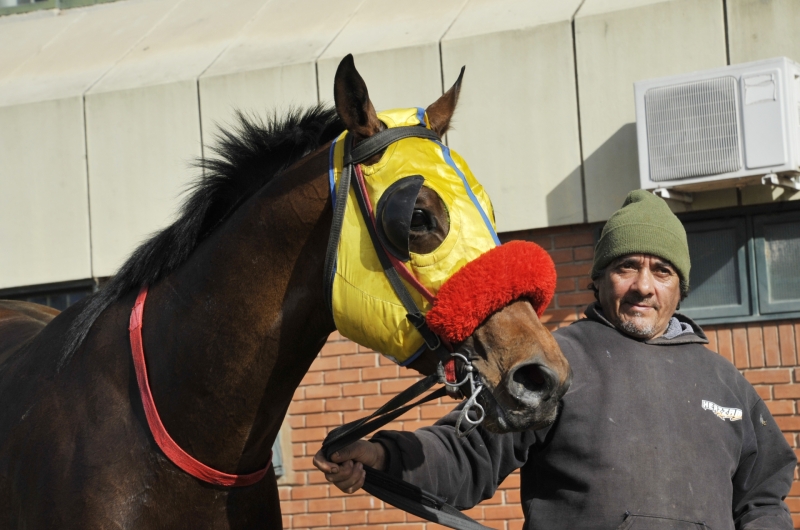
471,404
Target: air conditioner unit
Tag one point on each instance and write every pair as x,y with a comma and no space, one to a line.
720,128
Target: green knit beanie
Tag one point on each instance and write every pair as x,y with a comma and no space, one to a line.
644,225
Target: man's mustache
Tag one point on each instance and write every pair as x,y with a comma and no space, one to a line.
642,301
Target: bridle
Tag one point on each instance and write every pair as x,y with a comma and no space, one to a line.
460,379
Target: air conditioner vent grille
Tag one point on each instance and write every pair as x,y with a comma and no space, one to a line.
692,129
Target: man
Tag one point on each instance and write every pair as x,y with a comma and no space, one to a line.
655,432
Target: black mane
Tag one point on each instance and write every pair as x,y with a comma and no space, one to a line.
246,158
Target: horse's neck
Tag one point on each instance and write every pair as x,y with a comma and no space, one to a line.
229,337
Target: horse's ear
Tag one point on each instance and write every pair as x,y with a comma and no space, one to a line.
440,111
352,100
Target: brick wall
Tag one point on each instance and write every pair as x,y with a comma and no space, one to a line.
347,382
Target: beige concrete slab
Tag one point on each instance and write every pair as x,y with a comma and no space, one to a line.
480,17
271,64
257,93
285,32
517,120
396,50
616,48
44,221
761,30
90,43
192,34
23,37
597,7
140,145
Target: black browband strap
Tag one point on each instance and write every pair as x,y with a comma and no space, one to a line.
394,491
379,141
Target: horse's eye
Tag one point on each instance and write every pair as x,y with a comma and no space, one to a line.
422,221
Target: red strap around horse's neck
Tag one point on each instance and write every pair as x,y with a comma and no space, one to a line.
178,456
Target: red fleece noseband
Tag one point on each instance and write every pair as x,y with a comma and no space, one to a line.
518,269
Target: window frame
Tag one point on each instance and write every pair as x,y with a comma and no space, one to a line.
749,213
741,229
766,306
49,289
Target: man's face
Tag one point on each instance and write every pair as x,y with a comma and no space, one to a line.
639,294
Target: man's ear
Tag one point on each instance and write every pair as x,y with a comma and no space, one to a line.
440,111
352,100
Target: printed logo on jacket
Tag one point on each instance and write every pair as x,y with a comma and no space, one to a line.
723,413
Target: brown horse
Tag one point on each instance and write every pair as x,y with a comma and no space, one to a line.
234,317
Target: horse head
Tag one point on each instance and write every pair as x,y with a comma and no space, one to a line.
434,222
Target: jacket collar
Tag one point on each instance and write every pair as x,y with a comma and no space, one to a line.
595,313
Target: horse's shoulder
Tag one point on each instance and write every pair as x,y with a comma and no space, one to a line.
20,322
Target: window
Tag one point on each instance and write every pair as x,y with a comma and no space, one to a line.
277,456
718,277
745,265
58,295
777,254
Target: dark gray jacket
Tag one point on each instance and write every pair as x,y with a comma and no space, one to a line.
652,435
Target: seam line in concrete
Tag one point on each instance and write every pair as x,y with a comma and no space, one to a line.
316,59
233,40
132,46
45,45
578,108
200,123
725,27
88,186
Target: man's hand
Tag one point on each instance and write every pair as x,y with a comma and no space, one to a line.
346,471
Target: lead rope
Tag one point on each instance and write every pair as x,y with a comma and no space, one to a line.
397,492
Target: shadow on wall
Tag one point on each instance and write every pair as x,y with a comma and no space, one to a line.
610,172
560,202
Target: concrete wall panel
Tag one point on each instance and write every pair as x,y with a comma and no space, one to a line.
256,93
517,123
88,45
396,49
143,124
140,144
271,64
616,48
44,221
761,30
23,37
186,41
405,77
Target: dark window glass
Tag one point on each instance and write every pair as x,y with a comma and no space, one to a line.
56,296
718,278
277,457
777,249
782,245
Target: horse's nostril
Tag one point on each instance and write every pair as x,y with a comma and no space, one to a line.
532,377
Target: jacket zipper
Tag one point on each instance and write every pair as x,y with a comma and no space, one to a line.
628,514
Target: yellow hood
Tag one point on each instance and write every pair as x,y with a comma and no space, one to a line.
365,308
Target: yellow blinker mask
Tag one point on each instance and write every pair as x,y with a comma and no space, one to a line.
365,307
